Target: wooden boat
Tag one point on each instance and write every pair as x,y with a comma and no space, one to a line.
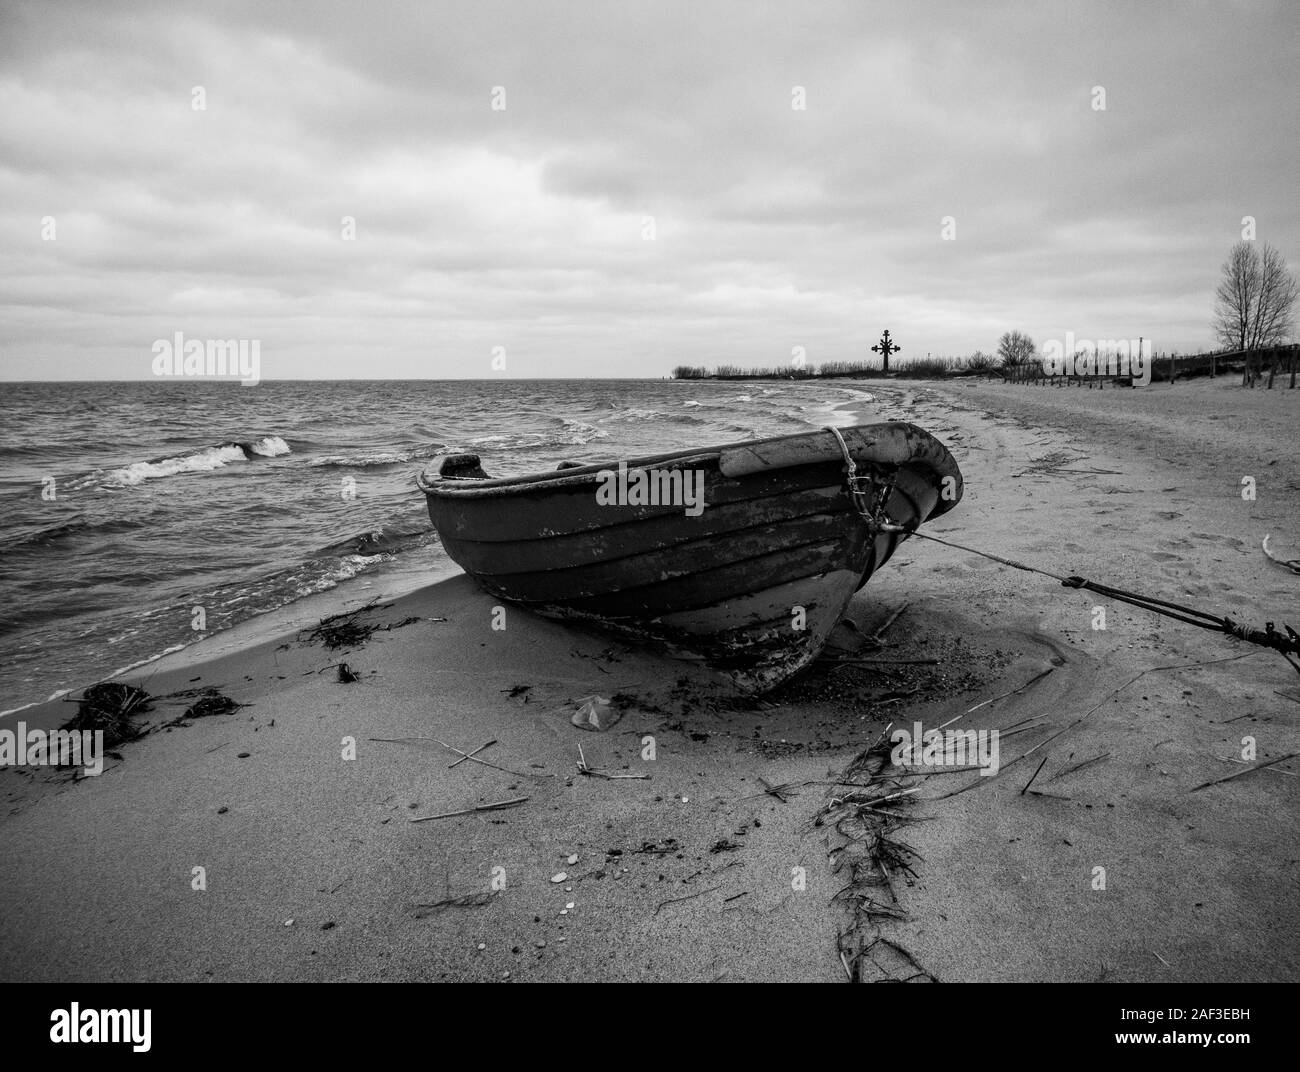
752,583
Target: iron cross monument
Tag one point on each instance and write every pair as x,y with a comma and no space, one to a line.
885,347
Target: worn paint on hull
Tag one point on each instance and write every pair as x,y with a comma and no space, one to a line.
779,532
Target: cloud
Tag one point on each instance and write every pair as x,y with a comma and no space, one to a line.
530,228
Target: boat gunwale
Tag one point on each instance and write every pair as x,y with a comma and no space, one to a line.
940,462
492,487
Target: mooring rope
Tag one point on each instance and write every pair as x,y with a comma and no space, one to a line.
1287,643
874,513
1268,637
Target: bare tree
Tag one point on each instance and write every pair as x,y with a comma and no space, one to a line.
1234,300
1015,348
1254,302
1277,298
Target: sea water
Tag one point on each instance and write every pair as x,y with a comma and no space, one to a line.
140,517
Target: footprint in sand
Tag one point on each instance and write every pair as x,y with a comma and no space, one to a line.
1230,541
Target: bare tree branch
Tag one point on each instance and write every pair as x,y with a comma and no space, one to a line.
1015,349
1254,302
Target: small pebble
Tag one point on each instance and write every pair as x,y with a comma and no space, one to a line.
568,889
222,810
564,911
560,877
541,943
483,945
569,905
288,923
573,859
686,800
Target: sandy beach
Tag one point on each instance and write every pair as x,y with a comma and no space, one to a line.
717,858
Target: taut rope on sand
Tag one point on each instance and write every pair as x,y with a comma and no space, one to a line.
878,520
1287,643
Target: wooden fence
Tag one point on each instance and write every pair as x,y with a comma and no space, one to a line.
1166,368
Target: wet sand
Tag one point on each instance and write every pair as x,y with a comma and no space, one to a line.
315,871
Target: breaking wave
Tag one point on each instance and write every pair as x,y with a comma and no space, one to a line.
199,461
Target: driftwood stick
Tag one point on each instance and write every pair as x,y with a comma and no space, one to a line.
888,622
1033,776
995,699
467,900
476,751
465,755
591,772
1078,767
1248,770
921,772
893,796
981,780
1003,734
495,806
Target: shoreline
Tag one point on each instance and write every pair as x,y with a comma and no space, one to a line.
400,575
300,612
1004,887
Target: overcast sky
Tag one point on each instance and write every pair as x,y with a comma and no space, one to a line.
526,228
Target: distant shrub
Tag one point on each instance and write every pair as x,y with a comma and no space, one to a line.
739,372
927,368
847,368
921,368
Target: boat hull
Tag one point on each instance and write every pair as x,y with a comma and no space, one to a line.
752,585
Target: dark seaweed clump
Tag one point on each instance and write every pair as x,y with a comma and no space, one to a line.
348,630
214,703
110,706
